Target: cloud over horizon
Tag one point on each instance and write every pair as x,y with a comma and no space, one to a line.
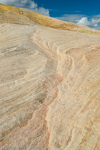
70,17
93,22
28,4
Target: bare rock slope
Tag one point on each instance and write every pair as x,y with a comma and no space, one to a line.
49,89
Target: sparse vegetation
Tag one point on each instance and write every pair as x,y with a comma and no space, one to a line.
22,16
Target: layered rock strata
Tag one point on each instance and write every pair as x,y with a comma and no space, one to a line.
49,89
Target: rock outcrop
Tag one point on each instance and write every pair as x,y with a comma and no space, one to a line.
49,89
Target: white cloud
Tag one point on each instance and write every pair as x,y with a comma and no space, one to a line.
28,4
90,23
42,11
93,22
70,17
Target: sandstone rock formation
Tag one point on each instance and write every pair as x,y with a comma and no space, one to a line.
49,89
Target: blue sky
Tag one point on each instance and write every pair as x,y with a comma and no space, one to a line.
86,12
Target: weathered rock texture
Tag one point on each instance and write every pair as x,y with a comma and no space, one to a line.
49,89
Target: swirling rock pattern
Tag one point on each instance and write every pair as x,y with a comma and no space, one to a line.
49,89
